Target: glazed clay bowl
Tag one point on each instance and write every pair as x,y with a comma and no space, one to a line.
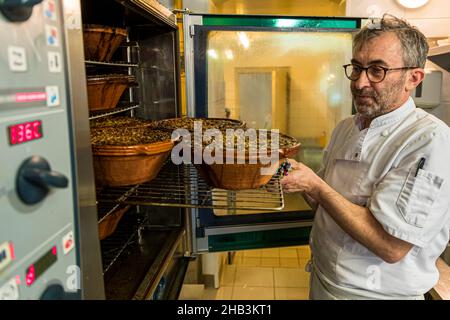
104,91
126,156
240,172
108,224
100,42
128,165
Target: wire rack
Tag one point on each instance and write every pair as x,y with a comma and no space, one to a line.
181,186
111,64
124,106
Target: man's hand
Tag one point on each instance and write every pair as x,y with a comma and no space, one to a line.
356,220
301,179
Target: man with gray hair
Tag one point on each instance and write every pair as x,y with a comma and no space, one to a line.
382,197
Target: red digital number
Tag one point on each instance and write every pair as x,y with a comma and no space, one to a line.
36,131
28,131
13,135
20,133
24,132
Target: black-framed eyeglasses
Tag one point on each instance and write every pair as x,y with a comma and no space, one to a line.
375,74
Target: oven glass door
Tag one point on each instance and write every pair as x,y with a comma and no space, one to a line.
273,73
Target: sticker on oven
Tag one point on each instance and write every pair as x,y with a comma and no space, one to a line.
54,61
68,242
17,59
52,36
10,290
52,96
50,9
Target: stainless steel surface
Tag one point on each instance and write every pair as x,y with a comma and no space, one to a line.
181,186
188,21
155,8
260,227
91,265
155,273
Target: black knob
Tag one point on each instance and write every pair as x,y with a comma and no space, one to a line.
35,178
18,10
57,292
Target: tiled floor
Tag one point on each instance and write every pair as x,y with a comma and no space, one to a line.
267,274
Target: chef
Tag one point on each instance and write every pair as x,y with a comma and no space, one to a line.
382,197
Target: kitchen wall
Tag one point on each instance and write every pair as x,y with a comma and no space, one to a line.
433,20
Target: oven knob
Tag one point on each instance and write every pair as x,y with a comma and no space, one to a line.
35,178
57,292
18,10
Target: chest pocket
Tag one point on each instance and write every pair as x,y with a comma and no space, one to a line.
417,196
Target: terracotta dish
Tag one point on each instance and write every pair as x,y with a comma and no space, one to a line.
236,176
127,156
108,224
100,42
104,91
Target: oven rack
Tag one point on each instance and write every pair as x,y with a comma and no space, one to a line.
111,64
124,106
182,186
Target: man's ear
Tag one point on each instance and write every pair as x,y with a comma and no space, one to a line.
414,78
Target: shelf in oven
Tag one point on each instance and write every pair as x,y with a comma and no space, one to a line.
111,64
182,186
136,256
123,106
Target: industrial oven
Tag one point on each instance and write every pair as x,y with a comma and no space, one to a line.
51,208
269,71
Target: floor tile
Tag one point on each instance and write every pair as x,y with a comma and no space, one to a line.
288,253
253,277
289,262
270,262
251,262
228,274
191,292
291,293
304,252
222,293
291,278
252,253
253,293
271,253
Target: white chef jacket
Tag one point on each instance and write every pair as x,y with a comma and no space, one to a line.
376,167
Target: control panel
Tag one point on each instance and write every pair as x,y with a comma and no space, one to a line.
38,251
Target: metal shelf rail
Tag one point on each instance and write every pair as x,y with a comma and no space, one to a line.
182,186
124,106
111,64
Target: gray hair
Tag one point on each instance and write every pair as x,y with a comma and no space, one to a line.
413,42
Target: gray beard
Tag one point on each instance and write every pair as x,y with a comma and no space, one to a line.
382,103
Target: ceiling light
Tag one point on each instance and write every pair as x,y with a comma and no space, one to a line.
244,39
229,54
412,4
213,53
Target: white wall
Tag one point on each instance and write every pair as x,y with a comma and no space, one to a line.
433,20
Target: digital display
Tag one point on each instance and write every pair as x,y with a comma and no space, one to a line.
35,270
24,132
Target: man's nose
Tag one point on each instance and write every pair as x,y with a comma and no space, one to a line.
363,81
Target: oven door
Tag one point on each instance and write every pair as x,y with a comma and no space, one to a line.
273,73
